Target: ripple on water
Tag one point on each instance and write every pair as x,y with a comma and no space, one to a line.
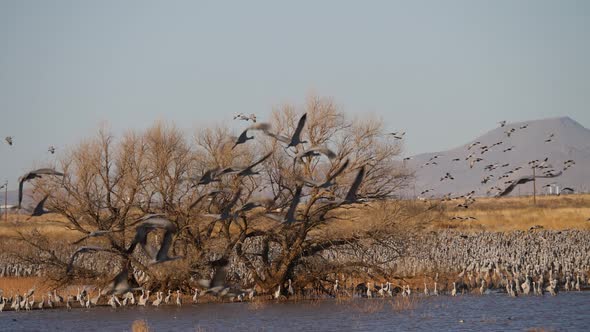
567,311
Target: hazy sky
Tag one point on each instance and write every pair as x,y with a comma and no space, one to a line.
444,71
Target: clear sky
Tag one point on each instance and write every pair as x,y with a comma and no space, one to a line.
444,71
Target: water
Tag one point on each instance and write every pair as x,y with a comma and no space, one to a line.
565,312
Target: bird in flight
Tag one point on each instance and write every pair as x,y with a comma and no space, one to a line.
295,139
33,175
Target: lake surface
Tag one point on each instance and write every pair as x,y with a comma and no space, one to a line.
496,312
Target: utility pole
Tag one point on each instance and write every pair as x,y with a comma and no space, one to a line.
534,187
5,201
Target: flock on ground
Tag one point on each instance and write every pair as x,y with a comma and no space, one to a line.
123,285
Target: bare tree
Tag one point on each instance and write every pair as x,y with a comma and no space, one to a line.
267,220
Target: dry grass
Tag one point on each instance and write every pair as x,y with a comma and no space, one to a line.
519,213
14,285
493,214
403,303
140,325
367,307
52,225
20,285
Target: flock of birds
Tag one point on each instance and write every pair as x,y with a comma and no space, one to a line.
517,264
535,262
86,299
507,181
10,141
126,284
491,268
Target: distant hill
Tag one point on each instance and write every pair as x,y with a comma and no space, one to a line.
570,141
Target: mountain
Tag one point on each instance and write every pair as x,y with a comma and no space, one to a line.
568,140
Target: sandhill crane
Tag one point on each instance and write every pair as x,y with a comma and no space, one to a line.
49,300
398,134
29,304
209,176
121,283
351,195
143,299
316,151
473,161
114,301
131,298
57,297
162,255
523,180
149,223
290,216
196,295
178,298
470,146
244,117
329,180
167,298
33,175
552,288
245,171
290,290
296,138
526,286
42,303
217,283
243,138
39,209
158,299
